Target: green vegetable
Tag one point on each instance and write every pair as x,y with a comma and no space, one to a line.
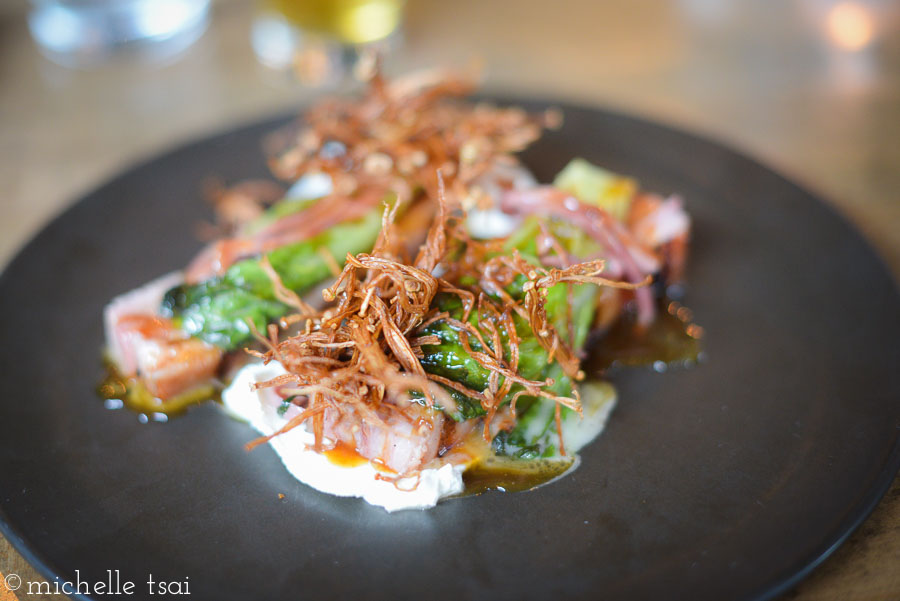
597,186
283,208
450,360
217,310
535,434
301,264
570,308
285,405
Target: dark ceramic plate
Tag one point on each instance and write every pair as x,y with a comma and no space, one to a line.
728,481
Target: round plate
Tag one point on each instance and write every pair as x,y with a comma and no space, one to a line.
727,481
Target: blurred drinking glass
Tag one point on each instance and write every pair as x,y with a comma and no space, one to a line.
83,33
320,40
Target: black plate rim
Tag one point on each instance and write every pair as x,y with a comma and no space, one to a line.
791,576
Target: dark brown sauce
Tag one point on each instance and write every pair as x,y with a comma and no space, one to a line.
487,471
672,339
131,393
513,475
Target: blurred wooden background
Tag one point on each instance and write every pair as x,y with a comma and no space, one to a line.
810,92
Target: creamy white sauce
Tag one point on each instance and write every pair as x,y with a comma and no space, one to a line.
309,186
260,410
598,399
490,223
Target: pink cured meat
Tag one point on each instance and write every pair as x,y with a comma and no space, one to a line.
142,344
405,442
146,300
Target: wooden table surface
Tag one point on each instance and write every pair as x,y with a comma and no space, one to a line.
771,79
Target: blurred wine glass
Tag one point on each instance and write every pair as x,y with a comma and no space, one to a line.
321,40
85,33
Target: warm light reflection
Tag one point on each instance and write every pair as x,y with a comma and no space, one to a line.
849,26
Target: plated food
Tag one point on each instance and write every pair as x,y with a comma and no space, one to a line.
696,470
409,321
